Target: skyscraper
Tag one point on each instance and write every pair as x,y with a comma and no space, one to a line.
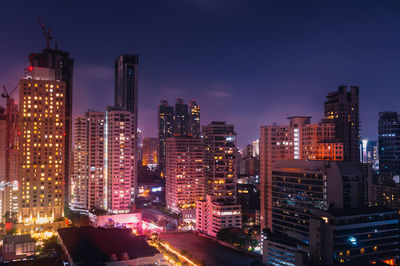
120,164
126,97
88,175
42,146
342,109
126,82
165,130
194,119
180,118
62,64
220,151
389,143
184,175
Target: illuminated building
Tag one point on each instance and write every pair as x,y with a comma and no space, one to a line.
119,160
220,151
165,130
62,65
300,140
349,236
88,174
215,214
385,192
42,147
126,97
149,152
301,187
389,139
342,109
181,116
184,175
194,119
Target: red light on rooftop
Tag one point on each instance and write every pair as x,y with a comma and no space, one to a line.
30,68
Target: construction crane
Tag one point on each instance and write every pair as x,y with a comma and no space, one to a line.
7,95
46,33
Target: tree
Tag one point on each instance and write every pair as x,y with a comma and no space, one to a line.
51,246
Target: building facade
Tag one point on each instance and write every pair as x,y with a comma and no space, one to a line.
119,160
165,130
194,119
88,174
63,66
220,150
184,173
149,152
389,143
42,145
349,236
214,214
298,140
342,109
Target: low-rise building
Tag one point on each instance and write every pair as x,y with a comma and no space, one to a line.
114,246
213,214
18,247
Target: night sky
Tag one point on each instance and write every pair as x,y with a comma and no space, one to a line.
250,63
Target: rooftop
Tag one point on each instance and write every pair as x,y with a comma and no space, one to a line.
90,244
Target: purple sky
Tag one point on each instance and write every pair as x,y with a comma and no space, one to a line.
250,63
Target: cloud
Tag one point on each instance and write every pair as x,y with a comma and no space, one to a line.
218,94
95,71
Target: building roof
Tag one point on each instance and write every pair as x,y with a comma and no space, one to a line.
90,244
18,239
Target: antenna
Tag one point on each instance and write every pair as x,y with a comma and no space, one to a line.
46,33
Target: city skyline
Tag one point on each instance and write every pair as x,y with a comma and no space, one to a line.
195,64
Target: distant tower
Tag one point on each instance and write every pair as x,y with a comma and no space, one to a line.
180,118
165,130
194,119
389,140
63,67
342,109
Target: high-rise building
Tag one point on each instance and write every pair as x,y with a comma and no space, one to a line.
126,97
180,118
165,130
194,119
342,109
298,140
120,164
88,175
42,147
301,187
149,152
9,160
80,172
220,149
389,143
62,65
184,175
126,82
